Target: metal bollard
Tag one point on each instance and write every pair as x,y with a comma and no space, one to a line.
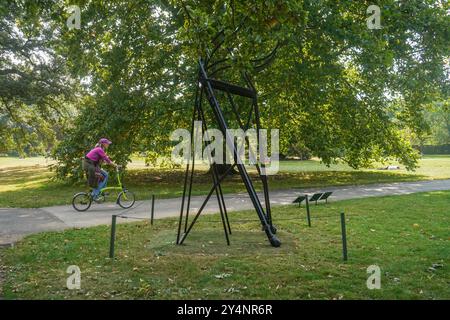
308,215
153,209
344,237
113,236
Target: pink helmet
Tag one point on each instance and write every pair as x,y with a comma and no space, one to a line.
104,141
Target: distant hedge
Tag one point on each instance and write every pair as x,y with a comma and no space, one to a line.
442,149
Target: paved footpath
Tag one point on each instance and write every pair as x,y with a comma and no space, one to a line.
16,223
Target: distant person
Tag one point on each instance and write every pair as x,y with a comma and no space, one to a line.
390,167
97,177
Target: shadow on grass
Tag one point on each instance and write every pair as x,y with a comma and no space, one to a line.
16,175
34,186
340,178
212,241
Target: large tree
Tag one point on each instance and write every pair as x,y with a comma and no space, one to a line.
127,55
35,89
343,90
336,87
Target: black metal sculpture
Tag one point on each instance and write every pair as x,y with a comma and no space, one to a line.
207,86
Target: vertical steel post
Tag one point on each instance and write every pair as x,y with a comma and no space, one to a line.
215,176
153,209
344,237
113,236
308,215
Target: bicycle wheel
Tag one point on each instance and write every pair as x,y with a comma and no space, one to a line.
81,201
126,199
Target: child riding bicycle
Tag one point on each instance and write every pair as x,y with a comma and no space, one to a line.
97,177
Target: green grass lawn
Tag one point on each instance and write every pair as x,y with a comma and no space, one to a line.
406,236
28,183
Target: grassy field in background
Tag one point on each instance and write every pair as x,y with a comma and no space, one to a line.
406,236
28,183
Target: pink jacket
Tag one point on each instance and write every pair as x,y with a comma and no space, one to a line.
97,154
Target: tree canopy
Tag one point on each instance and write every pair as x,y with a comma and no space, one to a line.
336,87
35,89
